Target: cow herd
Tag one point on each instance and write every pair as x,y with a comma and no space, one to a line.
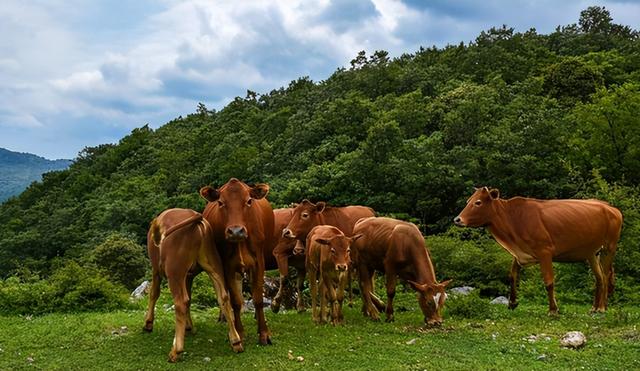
239,235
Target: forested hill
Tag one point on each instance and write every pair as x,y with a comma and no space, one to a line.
18,170
549,116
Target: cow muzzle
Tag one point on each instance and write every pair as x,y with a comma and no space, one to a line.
458,221
341,267
286,233
236,233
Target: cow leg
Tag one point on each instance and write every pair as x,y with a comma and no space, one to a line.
235,294
190,278
391,292
514,278
366,289
546,268
213,267
313,286
300,288
323,298
607,256
601,293
257,287
154,293
332,297
275,304
344,280
349,278
177,285
374,298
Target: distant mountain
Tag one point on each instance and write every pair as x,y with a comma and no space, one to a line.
18,170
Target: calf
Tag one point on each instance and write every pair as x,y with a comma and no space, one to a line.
180,245
327,261
396,248
307,215
284,256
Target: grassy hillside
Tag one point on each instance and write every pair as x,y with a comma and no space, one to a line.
495,338
18,170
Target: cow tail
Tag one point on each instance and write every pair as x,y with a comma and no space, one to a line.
195,218
155,235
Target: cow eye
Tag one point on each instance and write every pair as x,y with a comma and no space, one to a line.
333,251
220,203
478,203
348,251
305,215
249,202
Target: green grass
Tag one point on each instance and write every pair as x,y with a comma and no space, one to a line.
86,341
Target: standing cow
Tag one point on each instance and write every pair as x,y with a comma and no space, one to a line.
180,245
307,215
327,261
242,221
396,248
284,256
543,231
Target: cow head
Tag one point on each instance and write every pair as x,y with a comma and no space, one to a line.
234,202
305,216
479,209
431,298
340,250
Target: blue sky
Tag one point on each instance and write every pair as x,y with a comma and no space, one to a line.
79,73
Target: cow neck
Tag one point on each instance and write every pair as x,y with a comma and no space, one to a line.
424,267
500,226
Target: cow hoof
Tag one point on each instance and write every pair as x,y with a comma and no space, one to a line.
302,309
275,308
173,356
597,310
512,306
265,339
389,319
148,327
553,313
237,347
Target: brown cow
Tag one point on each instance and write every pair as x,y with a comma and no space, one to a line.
544,231
242,221
396,248
307,215
180,245
284,256
327,261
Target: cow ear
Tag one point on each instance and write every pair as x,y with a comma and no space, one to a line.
355,237
320,206
494,193
322,241
443,284
259,191
209,194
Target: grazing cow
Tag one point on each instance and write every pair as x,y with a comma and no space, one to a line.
284,256
543,231
180,246
242,221
396,248
327,261
307,215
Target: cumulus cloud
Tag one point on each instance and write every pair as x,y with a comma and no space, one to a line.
88,72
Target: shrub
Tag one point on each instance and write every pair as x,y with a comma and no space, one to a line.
468,306
122,259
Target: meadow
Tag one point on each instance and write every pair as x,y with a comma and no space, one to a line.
475,335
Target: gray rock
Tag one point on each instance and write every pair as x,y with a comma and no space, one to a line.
141,290
250,307
500,300
573,339
463,290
